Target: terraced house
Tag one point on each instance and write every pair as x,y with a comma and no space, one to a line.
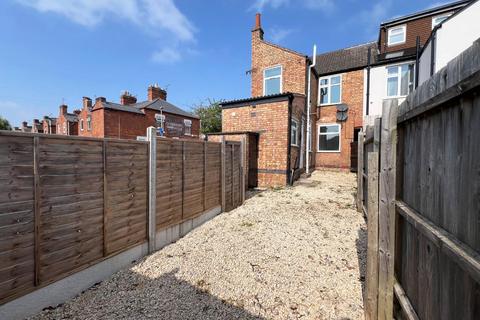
305,112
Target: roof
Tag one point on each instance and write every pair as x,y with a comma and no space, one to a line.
259,100
157,104
345,59
427,12
71,117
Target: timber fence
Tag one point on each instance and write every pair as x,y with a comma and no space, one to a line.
67,203
420,190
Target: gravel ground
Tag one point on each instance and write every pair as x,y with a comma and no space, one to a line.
290,253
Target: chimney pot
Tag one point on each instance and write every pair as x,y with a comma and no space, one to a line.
258,31
100,99
24,123
36,121
126,98
155,92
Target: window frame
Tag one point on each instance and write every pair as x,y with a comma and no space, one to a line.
89,123
187,123
446,15
324,134
329,86
399,78
389,31
81,125
296,132
267,78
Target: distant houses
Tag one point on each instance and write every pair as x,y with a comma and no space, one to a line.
127,119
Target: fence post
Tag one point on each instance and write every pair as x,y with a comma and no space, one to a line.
360,172
222,172
372,238
152,190
243,154
387,213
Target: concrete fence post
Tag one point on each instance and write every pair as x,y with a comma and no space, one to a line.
152,187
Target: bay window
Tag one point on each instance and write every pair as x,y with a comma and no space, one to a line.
329,138
330,90
272,80
400,80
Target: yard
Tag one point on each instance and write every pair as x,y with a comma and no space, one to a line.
288,253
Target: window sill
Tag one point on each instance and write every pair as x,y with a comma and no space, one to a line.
329,104
395,97
395,44
333,151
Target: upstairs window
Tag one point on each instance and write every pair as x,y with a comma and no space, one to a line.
188,127
294,133
329,138
272,80
439,19
330,90
397,35
400,80
81,125
89,123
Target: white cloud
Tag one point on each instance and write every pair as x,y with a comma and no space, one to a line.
371,18
259,5
279,34
159,18
167,55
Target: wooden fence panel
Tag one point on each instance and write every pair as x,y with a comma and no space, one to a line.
213,176
126,197
193,179
169,182
228,177
70,229
17,264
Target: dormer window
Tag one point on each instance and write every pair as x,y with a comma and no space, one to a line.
397,35
272,80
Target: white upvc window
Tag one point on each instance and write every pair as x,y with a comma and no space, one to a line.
188,127
272,80
294,133
397,35
89,123
400,80
329,137
330,89
439,19
81,125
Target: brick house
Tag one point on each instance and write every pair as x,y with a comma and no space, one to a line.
67,123
49,125
37,127
130,119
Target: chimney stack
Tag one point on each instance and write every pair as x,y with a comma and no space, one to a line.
258,31
24,124
63,109
155,92
87,102
126,98
36,121
100,99
77,112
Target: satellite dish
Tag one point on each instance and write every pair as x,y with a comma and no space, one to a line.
342,112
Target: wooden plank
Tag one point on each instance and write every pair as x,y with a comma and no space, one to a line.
152,188
360,171
223,172
463,255
387,208
371,305
407,308
105,198
37,198
232,159
205,146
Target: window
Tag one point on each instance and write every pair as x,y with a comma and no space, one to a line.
310,141
329,138
439,19
397,35
400,80
65,128
272,80
89,123
160,118
330,90
294,133
81,125
188,127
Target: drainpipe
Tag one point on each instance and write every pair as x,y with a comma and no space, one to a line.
309,106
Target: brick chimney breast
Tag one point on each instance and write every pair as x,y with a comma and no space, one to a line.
155,92
126,98
87,102
63,109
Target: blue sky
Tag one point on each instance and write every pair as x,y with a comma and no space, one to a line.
60,50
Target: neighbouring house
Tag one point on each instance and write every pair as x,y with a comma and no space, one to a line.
24,128
130,119
392,74
67,123
49,125
449,38
37,127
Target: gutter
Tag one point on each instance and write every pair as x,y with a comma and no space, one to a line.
309,107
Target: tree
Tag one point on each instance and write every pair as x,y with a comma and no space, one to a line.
210,114
4,124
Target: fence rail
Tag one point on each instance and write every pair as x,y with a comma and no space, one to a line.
67,203
426,245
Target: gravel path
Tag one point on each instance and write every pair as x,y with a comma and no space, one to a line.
285,254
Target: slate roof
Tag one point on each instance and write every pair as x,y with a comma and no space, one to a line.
345,59
72,117
156,104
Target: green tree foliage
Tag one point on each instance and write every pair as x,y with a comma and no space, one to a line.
210,114
4,124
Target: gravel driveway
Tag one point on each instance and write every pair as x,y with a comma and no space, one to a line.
285,254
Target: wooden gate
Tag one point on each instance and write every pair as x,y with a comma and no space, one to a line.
234,188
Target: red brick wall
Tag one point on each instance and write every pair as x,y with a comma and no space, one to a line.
266,55
83,116
352,96
61,120
174,125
